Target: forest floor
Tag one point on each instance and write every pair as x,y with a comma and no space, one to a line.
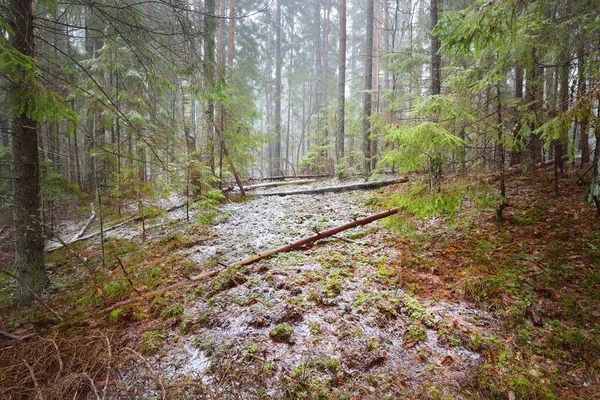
439,303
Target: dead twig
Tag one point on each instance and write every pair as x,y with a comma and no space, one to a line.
155,377
15,337
127,276
35,295
59,358
85,264
92,384
109,357
38,391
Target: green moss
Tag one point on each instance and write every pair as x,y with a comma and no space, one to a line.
282,333
415,334
417,312
314,328
117,315
153,341
173,311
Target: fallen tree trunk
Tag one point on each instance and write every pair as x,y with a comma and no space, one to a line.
52,247
282,183
318,236
251,260
343,188
282,177
85,227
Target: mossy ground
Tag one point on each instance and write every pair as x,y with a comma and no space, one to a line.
437,307
543,257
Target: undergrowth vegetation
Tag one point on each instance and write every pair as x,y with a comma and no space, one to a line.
344,318
538,271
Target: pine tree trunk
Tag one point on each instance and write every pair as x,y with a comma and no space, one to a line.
533,96
341,108
515,155
581,88
436,57
436,163
231,46
28,234
210,28
367,99
594,193
276,156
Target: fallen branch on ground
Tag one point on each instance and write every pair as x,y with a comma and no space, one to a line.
343,188
110,228
318,236
85,227
35,295
9,335
251,260
282,183
282,177
83,261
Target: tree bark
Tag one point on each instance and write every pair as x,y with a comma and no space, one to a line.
436,57
210,28
276,156
27,212
534,93
341,109
515,155
581,88
231,46
343,188
367,99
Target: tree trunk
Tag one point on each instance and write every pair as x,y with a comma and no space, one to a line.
366,121
533,96
343,188
594,193
276,156
436,57
436,163
581,88
210,28
28,234
341,87
289,99
231,46
515,155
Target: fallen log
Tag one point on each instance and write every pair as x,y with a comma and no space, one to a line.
343,188
318,236
54,246
253,259
283,177
282,183
85,227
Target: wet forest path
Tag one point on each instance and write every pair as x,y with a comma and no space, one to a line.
329,320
